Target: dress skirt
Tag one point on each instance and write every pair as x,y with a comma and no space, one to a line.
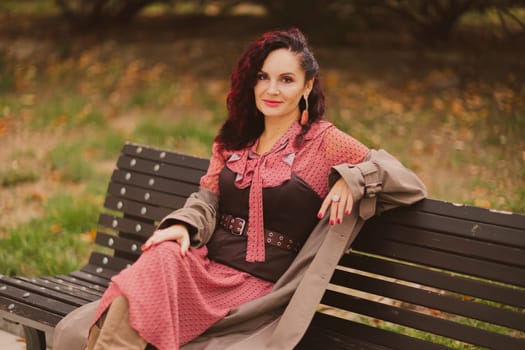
173,299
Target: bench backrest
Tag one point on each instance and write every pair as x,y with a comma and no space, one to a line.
457,272
147,184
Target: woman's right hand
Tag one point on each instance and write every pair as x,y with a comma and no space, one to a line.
178,233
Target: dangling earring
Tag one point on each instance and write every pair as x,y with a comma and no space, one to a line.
304,115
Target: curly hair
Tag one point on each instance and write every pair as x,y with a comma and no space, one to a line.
245,122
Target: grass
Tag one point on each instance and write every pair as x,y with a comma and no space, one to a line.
57,242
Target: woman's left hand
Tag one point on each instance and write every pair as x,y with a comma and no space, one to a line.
340,201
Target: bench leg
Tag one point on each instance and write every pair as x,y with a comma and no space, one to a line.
35,339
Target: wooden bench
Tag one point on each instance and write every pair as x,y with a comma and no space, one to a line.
416,277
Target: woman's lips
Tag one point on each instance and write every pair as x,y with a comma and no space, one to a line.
271,103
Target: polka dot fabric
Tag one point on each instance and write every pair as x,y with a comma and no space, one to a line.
324,147
174,299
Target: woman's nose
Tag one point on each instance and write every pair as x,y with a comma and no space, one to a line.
273,88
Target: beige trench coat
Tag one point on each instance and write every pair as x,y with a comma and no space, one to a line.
278,320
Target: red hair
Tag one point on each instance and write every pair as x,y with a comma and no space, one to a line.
245,122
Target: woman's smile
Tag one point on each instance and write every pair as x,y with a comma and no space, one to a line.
272,103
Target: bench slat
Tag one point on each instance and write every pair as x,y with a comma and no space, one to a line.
466,212
164,156
108,262
134,228
85,275
447,242
119,244
175,187
83,285
331,332
137,209
422,322
189,175
431,299
34,317
455,226
443,260
77,289
58,291
437,279
146,196
34,299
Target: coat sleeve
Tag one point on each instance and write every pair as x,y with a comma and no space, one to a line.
198,215
379,183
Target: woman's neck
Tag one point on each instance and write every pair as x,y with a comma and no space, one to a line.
274,129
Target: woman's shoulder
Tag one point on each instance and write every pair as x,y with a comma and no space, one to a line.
319,128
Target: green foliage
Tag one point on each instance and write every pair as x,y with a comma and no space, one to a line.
12,177
52,244
174,134
70,161
66,110
7,79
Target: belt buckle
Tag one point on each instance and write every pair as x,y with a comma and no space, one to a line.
241,228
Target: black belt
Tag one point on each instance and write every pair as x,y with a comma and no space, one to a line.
238,227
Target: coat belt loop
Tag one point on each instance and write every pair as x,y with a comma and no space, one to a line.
373,185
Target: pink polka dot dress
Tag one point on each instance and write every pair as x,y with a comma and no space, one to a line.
174,299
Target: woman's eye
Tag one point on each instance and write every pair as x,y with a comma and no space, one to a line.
287,79
261,76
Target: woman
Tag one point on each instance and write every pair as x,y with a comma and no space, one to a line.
219,272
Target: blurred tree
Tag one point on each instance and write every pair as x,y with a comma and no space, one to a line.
83,14
432,21
428,21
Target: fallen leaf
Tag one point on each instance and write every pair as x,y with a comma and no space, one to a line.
37,196
56,228
483,203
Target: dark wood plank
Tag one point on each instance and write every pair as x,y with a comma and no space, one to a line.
120,244
445,241
426,323
431,299
336,333
466,212
35,317
32,299
159,169
108,262
168,185
443,260
438,279
135,228
147,212
478,230
146,196
170,157
63,293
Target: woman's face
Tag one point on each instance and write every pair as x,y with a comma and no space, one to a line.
280,85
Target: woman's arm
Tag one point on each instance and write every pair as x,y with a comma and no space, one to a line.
195,222
198,215
380,182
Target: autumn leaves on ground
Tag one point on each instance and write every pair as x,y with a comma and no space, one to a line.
68,102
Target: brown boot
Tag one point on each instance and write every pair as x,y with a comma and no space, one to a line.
114,331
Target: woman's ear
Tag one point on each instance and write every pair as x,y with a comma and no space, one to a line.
308,86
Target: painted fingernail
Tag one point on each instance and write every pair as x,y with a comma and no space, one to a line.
332,222
338,220
319,215
347,212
